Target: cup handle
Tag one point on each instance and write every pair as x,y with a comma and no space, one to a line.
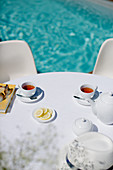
96,88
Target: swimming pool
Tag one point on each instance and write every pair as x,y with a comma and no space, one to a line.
64,35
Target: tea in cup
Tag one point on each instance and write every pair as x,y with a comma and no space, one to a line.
28,89
87,90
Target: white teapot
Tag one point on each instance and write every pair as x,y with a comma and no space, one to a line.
103,107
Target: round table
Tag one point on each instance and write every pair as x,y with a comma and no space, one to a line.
33,142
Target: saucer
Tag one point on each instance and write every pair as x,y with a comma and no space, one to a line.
80,101
44,121
26,99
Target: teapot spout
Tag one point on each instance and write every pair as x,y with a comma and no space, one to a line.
93,105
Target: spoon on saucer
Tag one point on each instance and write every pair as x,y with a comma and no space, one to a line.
79,98
32,97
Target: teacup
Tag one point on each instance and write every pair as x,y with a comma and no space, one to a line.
87,90
28,89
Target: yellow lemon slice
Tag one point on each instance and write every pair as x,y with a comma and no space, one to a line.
46,116
44,110
50,111
38,113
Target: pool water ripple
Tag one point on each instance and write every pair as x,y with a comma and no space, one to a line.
64,35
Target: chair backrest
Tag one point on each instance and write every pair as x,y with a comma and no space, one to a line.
16,60
104,62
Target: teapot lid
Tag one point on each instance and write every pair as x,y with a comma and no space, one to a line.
107,97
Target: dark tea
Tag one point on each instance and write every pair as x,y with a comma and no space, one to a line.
28,87
86,90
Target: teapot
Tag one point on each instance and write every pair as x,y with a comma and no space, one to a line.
103,107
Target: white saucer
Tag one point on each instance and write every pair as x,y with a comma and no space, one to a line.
80,101
44,121
27,99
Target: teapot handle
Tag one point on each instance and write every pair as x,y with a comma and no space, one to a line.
93,105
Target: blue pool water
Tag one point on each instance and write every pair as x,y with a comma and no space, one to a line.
64,35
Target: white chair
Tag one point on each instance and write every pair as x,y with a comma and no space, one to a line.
16,60
104,62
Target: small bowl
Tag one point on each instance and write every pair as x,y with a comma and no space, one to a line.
82,125
28,89
87,90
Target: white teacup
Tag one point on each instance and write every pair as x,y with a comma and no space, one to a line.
87,90
28,89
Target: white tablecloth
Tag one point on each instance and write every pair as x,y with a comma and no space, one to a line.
18,126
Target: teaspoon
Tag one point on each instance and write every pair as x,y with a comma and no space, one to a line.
32,97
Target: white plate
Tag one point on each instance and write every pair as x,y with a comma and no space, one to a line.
25,99
44,121
93,150
62,164
80,101
98,150
96,142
